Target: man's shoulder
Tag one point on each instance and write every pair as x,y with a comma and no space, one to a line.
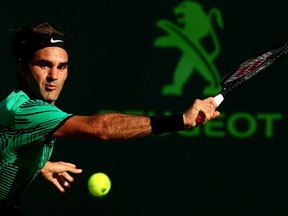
15,99
10,104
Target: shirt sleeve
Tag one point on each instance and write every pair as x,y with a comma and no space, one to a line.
38,119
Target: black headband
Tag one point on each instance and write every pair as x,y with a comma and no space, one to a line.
37,41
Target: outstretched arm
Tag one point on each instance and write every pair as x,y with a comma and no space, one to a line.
58,174
118,126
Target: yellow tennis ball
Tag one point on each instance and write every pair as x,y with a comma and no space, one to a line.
99,184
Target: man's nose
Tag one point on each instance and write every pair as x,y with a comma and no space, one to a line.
53,74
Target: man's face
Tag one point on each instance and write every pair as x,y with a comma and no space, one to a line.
47,73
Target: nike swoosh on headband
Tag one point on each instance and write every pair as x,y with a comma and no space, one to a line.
55,41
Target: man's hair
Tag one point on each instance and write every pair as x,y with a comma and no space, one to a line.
29,39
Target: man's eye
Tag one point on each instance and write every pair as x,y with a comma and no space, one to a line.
44,65
62,67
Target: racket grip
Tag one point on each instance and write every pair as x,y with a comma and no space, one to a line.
218,100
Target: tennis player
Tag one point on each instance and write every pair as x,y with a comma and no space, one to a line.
30,121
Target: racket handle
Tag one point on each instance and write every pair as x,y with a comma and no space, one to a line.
218,100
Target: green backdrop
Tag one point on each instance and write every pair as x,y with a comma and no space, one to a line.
122,55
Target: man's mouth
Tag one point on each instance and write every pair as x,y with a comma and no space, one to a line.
50,87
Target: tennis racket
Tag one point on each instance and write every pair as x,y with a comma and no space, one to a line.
245,71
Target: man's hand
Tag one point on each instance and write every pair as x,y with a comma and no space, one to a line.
205,107
58,174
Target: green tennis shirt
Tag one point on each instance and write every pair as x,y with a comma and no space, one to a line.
26,143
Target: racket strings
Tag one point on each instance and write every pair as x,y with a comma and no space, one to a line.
236,78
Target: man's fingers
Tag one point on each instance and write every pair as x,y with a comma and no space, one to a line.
58,186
